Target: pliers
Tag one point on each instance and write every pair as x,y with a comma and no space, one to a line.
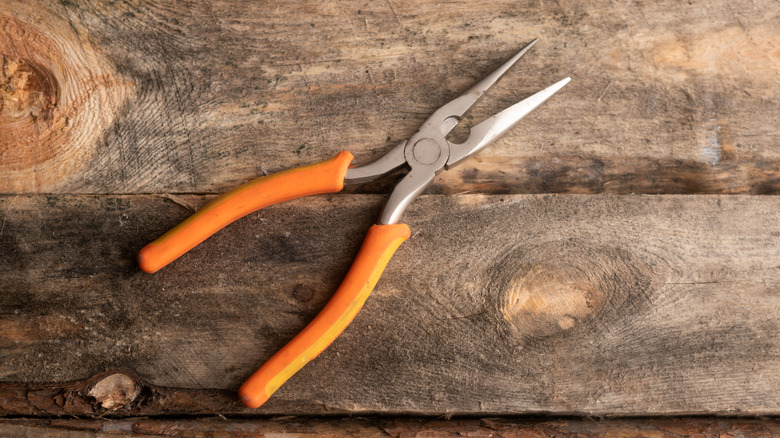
425,154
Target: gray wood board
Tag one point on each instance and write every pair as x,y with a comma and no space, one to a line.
397,428
497,304
124,97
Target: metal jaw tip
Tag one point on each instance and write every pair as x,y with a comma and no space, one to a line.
451,112
493,127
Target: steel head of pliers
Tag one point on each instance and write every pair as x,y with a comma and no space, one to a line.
428,152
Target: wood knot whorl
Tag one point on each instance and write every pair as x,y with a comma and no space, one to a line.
28,92
57,96
115,391
561,286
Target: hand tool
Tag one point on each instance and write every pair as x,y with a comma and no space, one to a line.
425,154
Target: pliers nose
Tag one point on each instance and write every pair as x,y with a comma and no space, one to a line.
428,152
425,153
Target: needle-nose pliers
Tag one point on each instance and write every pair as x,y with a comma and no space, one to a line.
425,154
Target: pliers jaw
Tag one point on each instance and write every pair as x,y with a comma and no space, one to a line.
390,161
428,152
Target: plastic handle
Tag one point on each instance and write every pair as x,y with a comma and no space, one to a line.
378,247
324,177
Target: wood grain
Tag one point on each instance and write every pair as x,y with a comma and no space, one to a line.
398,428
58,95
497,305
129,97
501,304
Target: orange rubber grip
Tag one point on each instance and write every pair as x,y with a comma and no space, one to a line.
324,177
378,247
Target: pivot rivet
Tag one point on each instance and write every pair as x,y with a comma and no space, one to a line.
426,151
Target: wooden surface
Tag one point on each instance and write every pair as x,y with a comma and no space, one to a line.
216,427
555,303
117,119
129,97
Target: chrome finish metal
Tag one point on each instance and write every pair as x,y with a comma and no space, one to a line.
428,152
407,190
443,117
387,163
493,127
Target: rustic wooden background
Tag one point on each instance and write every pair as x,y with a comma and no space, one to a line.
617,253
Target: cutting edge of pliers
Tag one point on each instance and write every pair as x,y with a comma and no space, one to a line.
425,154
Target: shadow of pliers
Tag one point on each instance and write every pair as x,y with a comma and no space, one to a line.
425,154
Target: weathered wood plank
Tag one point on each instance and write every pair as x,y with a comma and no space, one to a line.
400,428
127,97
504,304
113,393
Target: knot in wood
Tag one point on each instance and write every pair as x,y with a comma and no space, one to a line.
551,298
561,286
28,92
115,391
57,96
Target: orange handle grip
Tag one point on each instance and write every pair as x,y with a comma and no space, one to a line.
378,247
324,177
